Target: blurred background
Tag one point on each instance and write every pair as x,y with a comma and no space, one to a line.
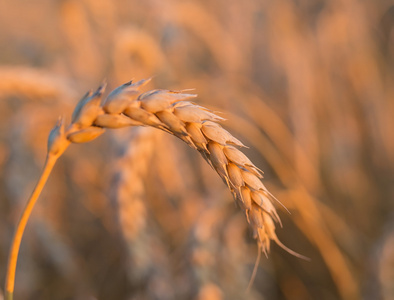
136,214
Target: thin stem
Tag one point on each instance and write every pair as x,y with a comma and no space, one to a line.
13,256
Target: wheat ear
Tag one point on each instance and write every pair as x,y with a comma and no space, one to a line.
169,111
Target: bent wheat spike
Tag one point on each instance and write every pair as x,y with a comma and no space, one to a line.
168,111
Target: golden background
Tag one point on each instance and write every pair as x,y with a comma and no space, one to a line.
136,214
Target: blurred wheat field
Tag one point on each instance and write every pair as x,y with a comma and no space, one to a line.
308,85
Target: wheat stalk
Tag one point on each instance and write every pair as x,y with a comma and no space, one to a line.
129,183
171,112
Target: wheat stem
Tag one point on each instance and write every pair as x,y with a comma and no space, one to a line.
20,228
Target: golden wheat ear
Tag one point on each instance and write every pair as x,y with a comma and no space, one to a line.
171,112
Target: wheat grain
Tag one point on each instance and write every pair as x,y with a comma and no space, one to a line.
195,125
